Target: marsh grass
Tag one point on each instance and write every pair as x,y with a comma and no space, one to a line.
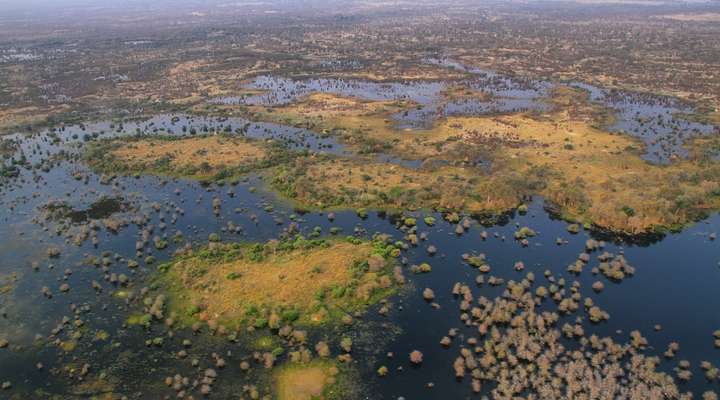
208,158
588,175
318,379
299,281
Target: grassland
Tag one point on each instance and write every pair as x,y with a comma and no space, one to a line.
357,183
317,379
482,165
586,174
194,151
300,281
206,158
153,70
706,113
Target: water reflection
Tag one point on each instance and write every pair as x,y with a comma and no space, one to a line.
655,120
674,285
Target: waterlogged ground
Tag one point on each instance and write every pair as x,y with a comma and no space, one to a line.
68,288
508,95
659,122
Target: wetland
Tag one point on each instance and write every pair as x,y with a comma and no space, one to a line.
447,222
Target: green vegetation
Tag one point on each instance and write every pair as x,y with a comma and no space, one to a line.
316,379
331,182
587,175
267,285
210,159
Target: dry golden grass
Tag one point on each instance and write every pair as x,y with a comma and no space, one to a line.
366,183
186,67
462,92
714,116
304,382
216,151
593,175
22,116
324,105
332,111
286,279
359,121
400,69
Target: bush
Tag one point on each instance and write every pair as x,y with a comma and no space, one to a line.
290,315
629,211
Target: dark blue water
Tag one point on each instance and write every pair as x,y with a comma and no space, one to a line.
655,120
675,283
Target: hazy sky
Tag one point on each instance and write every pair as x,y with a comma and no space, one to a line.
28,7
40,5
